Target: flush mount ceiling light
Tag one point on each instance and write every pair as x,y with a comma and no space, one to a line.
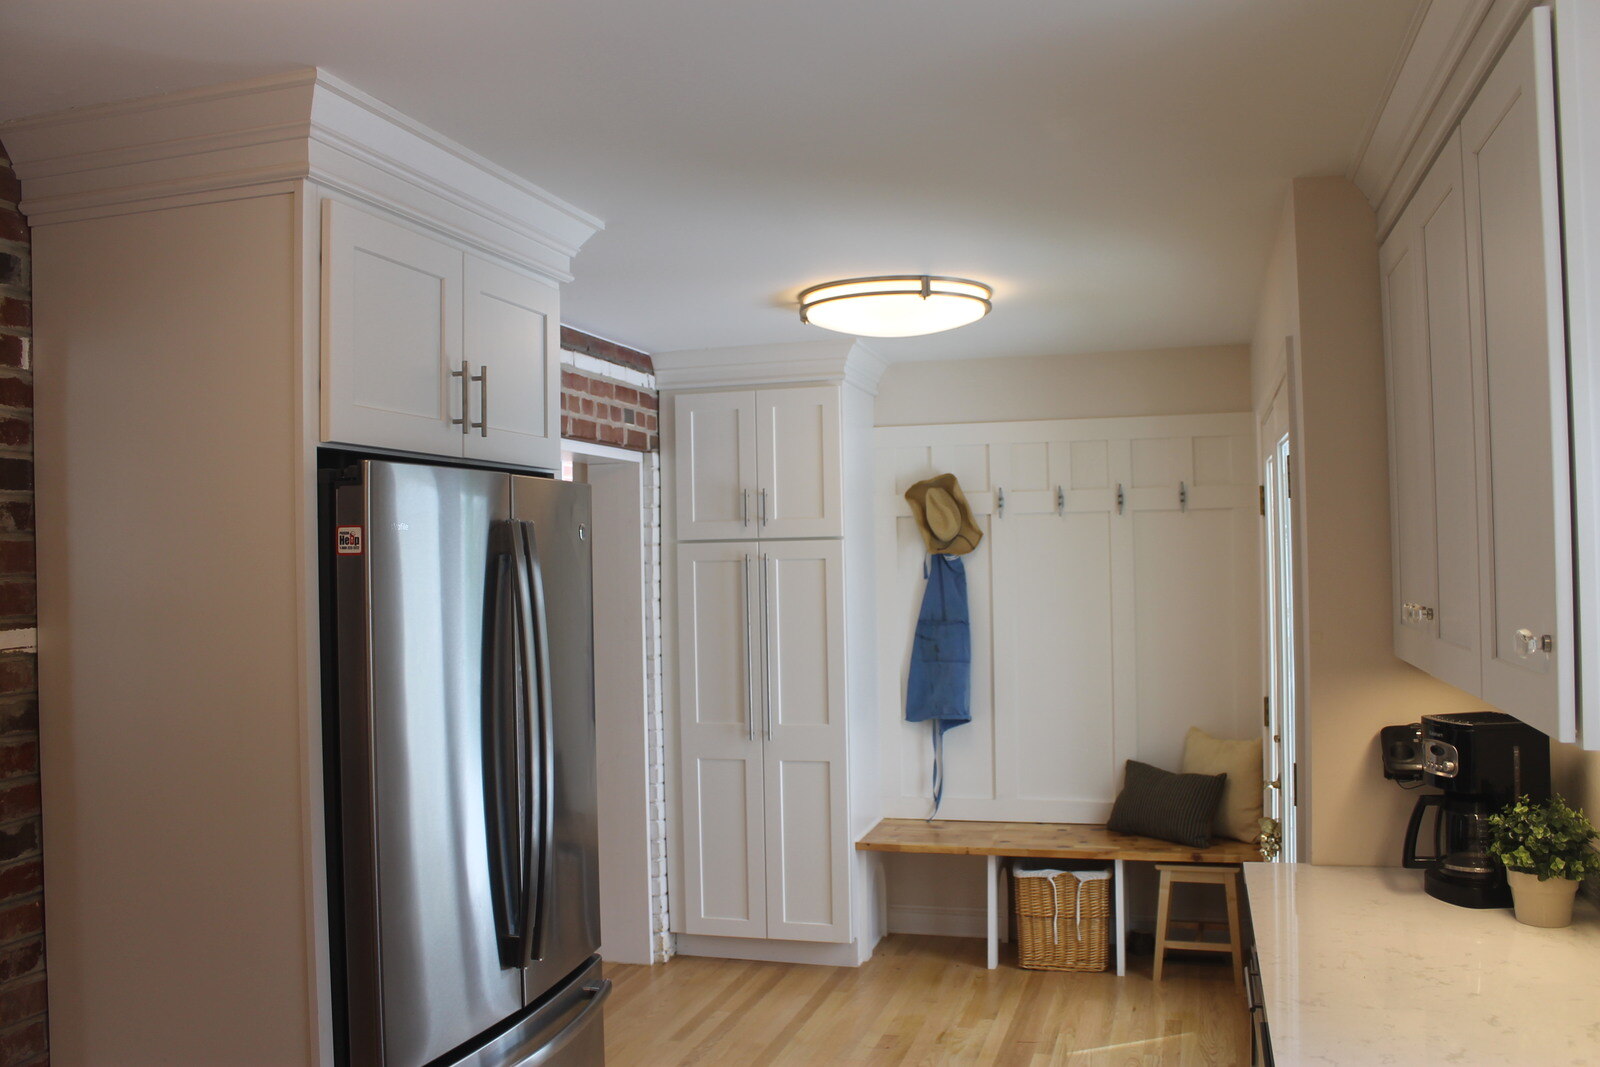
897,305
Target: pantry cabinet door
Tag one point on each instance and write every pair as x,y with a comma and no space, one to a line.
391,334
797,453
720,742
1514,256
513,350
715,444
803,720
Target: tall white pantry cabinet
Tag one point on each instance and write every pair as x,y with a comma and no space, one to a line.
224,280
769,511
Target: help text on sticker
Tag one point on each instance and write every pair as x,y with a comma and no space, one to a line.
348,541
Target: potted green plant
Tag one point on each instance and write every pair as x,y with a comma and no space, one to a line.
1544,846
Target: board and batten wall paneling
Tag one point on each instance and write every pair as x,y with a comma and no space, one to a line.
1114,605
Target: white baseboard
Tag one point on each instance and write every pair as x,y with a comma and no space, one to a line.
749,948
938,921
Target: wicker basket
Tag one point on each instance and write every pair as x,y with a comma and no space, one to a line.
1062,922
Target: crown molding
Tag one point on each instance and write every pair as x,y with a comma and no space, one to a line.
845,361
246,138
1451,48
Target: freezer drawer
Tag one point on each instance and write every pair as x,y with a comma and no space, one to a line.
567,1030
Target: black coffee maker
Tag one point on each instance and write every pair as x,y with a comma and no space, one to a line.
1482,760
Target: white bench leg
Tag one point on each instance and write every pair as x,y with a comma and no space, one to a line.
992,867
1122,918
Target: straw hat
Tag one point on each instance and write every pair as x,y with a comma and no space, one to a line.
943,516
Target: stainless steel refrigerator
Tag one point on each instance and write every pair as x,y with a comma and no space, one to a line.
465,909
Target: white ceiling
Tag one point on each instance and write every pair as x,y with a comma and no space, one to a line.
1114,168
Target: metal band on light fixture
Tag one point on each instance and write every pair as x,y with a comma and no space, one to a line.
879,306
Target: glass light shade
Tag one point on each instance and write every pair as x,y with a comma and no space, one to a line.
897,306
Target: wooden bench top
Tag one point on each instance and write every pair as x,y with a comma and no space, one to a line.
1042,840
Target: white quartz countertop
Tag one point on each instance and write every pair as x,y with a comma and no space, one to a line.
1360,966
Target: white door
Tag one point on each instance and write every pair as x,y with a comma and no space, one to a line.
720,741
715,440
803,721
1280,714
1433,463
798,459
1514,255
513,351
391,334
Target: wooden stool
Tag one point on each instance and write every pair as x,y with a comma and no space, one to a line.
1228,879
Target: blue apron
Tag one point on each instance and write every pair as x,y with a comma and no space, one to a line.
939,688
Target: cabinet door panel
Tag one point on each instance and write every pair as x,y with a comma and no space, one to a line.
1457,625
808,840
1193,602
512,338
798,456
1508,143
391,334
1053,657
1412,518
724,876
715,440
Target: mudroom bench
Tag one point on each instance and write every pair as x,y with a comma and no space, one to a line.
1040,840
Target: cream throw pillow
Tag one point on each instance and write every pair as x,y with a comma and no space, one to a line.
1239,814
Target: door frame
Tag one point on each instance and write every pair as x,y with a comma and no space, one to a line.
1282,617
627,689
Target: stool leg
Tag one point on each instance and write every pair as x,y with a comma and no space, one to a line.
1163,899
1232,888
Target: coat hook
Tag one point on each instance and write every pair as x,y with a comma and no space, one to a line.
1183,497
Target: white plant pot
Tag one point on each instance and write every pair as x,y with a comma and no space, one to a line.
1547,903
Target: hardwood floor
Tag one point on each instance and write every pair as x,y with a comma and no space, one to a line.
922,1000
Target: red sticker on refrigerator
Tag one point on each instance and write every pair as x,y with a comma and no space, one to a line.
348,541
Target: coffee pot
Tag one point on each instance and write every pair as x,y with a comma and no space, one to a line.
1481,760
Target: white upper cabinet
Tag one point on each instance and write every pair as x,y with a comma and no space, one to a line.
797,462
758,464
1432,454
1514,264
716,466
391,334
513,351
1480,459
431,349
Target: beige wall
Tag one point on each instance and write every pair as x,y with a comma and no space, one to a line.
173,758
1322,291
1170,381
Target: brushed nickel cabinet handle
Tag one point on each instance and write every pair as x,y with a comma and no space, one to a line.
464,373
749,659
482,425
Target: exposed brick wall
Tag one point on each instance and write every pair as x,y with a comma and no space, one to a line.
598,347
618,407
22,979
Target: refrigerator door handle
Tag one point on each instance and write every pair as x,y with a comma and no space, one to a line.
532,743
539,904
505,763
598,992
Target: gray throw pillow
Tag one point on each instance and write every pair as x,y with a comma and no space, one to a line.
1173,807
